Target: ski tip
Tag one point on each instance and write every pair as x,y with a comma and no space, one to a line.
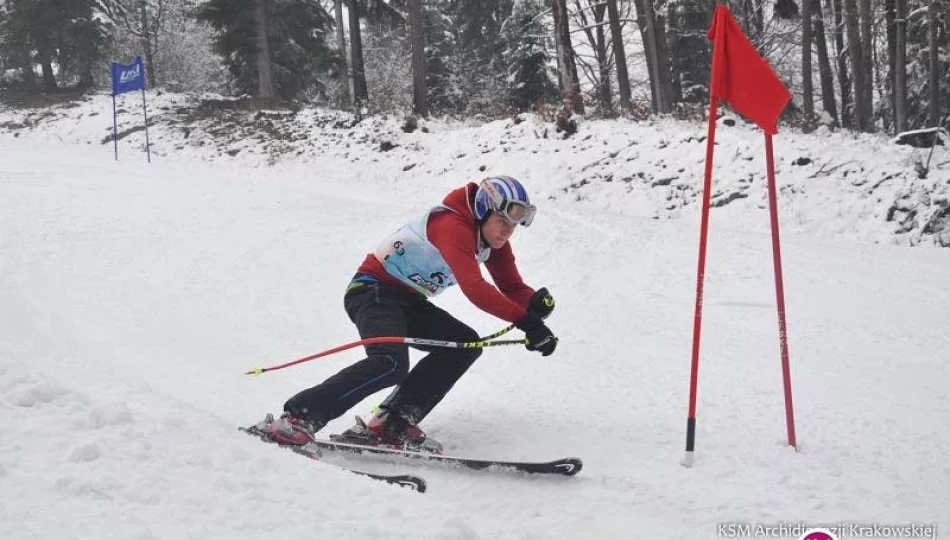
415,483
569,466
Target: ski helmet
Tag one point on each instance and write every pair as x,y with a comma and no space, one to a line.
505,196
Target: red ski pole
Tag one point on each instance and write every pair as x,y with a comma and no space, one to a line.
394,339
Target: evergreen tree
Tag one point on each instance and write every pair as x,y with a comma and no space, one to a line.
919,61
441,45
66,33
689,21
526,56
297,32
464,54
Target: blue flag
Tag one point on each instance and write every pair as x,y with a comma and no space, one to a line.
128,78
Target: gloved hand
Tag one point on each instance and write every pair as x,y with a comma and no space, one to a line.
540,337
541,303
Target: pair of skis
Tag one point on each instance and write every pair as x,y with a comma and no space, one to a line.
314,450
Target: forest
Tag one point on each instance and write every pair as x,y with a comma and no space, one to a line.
861,65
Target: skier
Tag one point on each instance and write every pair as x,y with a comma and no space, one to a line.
388,296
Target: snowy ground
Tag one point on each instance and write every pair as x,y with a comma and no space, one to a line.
847,185
133,299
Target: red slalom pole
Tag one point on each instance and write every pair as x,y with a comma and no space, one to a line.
700,275
780,293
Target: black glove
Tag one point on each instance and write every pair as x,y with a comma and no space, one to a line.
541,303
540,337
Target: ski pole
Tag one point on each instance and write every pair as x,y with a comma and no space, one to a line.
393,339
499,333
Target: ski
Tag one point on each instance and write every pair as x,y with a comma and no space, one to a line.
565,466
312,451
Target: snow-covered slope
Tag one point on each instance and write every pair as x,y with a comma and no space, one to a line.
855,186
133,298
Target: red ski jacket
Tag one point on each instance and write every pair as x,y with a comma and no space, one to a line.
455,235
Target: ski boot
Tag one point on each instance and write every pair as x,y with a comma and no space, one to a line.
389,430
287,430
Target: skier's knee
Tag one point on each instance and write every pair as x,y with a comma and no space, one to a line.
398,365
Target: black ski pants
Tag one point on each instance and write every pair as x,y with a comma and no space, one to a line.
378,309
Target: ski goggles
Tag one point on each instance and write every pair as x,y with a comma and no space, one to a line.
517,213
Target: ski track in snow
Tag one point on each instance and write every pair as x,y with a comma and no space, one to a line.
132,305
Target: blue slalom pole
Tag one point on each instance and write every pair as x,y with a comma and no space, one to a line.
148,149
115,130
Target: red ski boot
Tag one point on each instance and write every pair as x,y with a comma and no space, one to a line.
287,430
388,429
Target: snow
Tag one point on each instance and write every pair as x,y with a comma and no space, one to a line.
135,296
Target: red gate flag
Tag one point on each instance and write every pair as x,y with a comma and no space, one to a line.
743,78
746,81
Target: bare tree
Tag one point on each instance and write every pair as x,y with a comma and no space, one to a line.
899,67
344,73
175,44
657,55
265,77
659,104
861,83
843,81
420,103
933,13
598,42
148,43
867,53
753,16
890,26
620,57
144,20
663,57
808,95
570,85
825,73
360,89
45,58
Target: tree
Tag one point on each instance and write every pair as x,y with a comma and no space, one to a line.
594,30
808,96
80,44
825,73
360,89
570,85
343,70
842,63
420,104
890,25
689,22
66,33
753,19
150,74
526,57
935,68
172,41
620,57
265,75
296,43
466,37
813,38
142,22
899,68
653,34
861,84
867,62
925,29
